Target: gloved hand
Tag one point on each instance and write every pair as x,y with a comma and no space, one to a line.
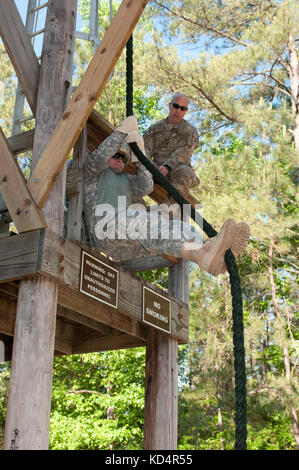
134,136
128,125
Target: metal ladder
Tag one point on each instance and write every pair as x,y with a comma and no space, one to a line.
93,35
31,25
33,9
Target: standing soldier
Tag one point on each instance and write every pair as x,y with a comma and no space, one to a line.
170,144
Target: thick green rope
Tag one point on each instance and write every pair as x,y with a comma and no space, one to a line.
129,68
237,304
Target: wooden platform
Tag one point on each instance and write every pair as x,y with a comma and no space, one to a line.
84,324
98,129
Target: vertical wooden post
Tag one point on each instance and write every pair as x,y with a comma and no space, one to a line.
74,224
4,225
7,342
29,401
178,281
2,351
161,380
160,415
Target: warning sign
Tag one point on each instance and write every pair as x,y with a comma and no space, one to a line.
156,310
99,280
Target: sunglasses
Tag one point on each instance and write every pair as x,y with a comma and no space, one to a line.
121,156
177,106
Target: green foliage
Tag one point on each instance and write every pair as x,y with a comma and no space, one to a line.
271,434
199,426
159,277
198,423
4,384
98,401
7,91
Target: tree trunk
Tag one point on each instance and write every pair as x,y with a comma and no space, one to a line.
286,356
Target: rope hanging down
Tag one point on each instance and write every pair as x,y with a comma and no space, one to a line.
238,327
129,75
236,292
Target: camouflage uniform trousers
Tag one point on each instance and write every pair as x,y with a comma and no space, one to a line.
143,235
183,178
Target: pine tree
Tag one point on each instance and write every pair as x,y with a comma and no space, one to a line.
244,84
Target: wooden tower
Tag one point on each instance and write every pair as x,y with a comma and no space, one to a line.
56,295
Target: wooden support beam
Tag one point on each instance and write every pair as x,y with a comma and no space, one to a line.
146,264
107,343
98,129
13,187
64,335
10,289
161,382
75,317
69,339
45,253
20,50
19,255
4,225
53,96
178,281
21,143
18,144
83,100
102,313
8,309
29,400
3,207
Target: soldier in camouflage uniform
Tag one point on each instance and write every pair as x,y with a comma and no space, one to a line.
119,229
106,185
170,143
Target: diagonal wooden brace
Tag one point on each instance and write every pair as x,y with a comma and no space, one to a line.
84,98
20,50
14,189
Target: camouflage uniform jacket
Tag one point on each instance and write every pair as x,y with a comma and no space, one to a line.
171,144
95,168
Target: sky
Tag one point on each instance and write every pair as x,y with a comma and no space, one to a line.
22,6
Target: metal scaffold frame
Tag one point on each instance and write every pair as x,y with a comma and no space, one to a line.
31,25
